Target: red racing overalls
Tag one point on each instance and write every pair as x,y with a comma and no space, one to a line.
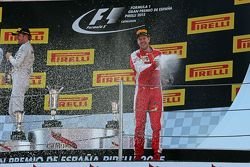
148,97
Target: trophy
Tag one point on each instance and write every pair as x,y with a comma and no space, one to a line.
7,73
53,102
7,77
114,124
18,134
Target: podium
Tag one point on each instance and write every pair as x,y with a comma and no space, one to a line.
14,145
71,138
17,135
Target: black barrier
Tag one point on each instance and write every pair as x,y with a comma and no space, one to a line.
187,155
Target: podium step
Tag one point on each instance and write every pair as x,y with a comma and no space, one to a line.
15,145
73,138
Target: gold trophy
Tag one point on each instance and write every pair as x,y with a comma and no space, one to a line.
53,101
18,134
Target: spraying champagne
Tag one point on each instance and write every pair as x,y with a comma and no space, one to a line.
169,65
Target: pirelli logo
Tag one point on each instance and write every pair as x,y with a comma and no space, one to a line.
175,97
1,14
39,36
71,102
173,48
70,57
214,70
37,80
211,23
239,2
235,90
113,77
241,43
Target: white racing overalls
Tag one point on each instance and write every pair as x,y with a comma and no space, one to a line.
22,64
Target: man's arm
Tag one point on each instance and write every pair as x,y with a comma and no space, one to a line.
138,65
17,61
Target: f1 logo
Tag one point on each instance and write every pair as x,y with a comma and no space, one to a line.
112,17
104,21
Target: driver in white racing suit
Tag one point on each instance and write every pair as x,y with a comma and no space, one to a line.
22,69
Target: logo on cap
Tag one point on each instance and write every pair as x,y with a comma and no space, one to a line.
22,31
143,32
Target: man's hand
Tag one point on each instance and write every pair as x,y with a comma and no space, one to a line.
157,61
7,55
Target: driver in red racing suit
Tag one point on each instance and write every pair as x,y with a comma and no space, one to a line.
148,94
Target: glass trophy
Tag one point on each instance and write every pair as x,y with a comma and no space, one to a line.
114,124
53,103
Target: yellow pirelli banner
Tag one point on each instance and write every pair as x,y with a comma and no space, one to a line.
241,43
1,14
239,2
174,97
213,70
70,57
179,48
39,36
113,77
37,80
71,102
234,91
210,23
